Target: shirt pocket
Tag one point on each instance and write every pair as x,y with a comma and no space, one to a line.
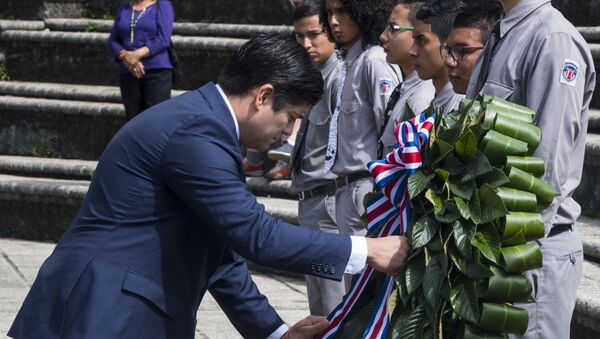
350,123
497,89
150,290
318,129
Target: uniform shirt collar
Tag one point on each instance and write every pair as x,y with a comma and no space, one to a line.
518,13
354,52
443,96
410,81
330,64
237,127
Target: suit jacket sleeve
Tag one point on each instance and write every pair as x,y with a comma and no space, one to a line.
247,309
202,166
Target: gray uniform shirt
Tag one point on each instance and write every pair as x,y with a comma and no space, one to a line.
415,93
314,130
446,100
369,83
542,62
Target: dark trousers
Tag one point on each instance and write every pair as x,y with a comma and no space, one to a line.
141,94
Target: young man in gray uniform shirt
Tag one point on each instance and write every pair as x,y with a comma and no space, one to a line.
367,81
434,22
412,92
536,58
316,186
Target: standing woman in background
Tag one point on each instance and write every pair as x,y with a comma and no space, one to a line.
139,41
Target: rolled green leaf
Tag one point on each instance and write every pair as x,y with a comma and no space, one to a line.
520,228
493,112
474,332
521,258
496,146
473,107
519,130
524,181
517,200
533,165
504,318
504,287
496,101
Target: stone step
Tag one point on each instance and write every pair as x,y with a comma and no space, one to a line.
590,34
584,323
63,91
67,169
56,202
201,58
266,12
179,28
594,121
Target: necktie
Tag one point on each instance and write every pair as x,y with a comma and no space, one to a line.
386,117
333,126
488,54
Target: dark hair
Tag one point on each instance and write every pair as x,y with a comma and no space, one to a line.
483,16
306,9
370,15
440,15
413,7
281,62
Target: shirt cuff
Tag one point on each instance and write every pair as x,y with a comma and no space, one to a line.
279,332
358,256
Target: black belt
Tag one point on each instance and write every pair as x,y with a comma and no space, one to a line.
559,228
343,181
325,189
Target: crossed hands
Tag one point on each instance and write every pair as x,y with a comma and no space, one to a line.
131,61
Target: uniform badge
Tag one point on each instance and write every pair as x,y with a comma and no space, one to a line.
569,72
385,86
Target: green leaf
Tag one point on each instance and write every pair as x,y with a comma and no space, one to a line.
432,282
439,151
415,270
472,268
450,214
357,321
410,327
487,240
495,178
418,182
454,165
463,208
475,207
464,301
477,166
466,146
438,204
492,206
401,285
424,230
463,232
462,189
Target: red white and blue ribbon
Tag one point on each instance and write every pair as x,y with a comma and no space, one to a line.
388,214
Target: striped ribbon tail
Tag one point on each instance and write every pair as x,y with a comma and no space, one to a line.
388,214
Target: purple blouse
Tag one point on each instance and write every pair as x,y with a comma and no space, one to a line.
153,30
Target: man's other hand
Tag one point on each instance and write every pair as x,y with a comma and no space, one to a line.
388,254
307,328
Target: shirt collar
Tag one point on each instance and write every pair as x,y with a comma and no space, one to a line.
237,127
354,52
443,96
411,81
331,62
522,10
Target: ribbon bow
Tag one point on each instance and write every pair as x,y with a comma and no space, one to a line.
388,214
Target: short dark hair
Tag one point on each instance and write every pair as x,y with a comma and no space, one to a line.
482,16
413,7
281,62
440,15
370,15
306,9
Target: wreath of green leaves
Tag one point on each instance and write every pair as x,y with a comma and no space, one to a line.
474,215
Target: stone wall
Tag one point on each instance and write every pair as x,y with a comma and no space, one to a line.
580,12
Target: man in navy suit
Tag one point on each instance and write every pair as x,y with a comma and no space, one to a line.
168,215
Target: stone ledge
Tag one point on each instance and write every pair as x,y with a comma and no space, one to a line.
24,25
62,107
594,121
590,34
589,231
90,38
587,307
64,91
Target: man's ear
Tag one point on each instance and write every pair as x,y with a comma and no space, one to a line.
264,95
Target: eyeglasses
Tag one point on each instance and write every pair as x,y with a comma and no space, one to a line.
310,35
457,52
395,28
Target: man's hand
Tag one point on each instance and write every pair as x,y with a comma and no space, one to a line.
307,328
388,254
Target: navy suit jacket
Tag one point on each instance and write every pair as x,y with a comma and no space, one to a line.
164,219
